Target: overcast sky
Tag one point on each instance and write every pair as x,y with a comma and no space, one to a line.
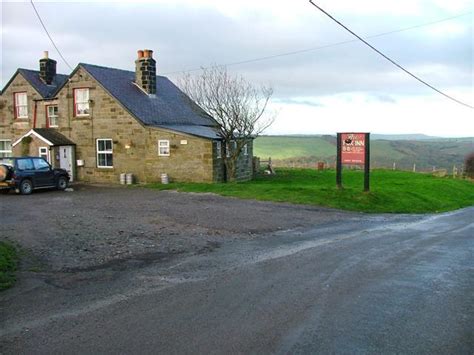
345,87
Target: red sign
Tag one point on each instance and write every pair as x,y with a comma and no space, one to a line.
353,148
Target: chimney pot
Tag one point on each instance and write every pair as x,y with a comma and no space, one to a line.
45,55
148,53
140,54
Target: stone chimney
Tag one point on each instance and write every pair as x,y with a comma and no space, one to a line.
47,69
145,71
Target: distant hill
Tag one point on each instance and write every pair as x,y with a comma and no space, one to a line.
424,151
403,137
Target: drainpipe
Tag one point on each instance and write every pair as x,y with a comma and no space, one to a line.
34,113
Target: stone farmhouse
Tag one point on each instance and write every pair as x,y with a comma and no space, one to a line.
99,122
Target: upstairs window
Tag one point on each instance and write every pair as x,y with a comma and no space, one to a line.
164,148
5,148
21,105
245,149
81,102
52,113
105,153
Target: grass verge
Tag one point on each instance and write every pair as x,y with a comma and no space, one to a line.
391,191
8,265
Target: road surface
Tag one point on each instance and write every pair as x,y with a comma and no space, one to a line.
372,284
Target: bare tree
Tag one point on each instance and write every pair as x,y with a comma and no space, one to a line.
239,108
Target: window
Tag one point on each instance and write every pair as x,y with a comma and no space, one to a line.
43,153
21,105
105,153
245,149
81,102
229,150
40,164
218,149
52,113
25,164
5,148
163,148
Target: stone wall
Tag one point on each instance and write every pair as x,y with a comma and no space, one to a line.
244,170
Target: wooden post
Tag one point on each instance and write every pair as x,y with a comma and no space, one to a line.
414,167
339,162
367,163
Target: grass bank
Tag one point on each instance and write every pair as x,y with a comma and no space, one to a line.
391,191
8,264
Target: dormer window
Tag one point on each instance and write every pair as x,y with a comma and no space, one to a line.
81,102
21,105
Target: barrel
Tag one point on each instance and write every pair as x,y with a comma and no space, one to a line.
129,178
122,179
164,179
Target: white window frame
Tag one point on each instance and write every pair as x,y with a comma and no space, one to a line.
84,101
20,104
245,149
106,151
43,152
4,153
49,116
164,144
219,149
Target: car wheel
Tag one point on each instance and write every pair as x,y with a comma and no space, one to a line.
62,183
26,187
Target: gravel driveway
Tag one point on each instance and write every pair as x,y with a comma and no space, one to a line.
98,226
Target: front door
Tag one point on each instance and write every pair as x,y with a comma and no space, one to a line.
65,160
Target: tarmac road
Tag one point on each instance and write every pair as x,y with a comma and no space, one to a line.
372,284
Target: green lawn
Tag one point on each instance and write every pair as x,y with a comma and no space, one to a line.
391,191
8,263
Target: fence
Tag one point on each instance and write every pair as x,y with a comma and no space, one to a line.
269,165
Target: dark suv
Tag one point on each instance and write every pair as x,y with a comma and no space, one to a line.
28,173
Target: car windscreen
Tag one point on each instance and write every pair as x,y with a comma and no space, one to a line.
41,164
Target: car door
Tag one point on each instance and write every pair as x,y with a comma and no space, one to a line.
43,174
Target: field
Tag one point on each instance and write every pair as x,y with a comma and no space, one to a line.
391,191
303,151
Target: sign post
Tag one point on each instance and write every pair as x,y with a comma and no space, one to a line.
353,149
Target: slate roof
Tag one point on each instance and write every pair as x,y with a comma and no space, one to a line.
46,91
170,108
53,136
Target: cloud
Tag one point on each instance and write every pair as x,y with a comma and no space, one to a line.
189,34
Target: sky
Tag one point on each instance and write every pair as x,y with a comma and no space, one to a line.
333,83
